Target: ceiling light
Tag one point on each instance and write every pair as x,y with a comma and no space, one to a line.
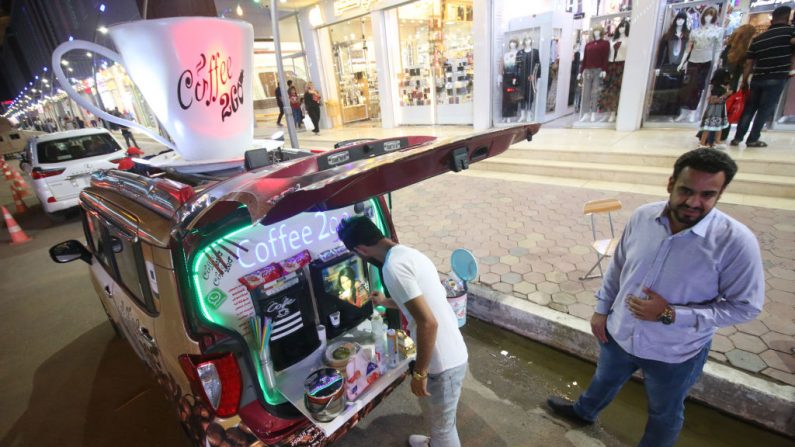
103,29
102,7
64,62
239,10
89,54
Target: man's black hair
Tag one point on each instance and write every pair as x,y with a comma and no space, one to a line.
781,14
707,160
359,230
289,82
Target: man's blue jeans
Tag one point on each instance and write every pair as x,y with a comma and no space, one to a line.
762,101
440,408
666,384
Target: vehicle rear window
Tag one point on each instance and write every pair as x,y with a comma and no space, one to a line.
74,148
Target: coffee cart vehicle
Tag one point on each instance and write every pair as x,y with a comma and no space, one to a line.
182,262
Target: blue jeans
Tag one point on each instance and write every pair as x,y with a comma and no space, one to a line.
666,384
298,117
440,408
762,101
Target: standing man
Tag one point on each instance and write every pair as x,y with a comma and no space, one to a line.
280,103
682,269
128,136
770,59
413,283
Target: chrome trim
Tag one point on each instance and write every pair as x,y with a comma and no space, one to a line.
140,189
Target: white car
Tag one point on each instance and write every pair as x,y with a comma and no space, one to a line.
61,164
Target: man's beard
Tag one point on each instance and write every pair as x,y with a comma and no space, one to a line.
678,213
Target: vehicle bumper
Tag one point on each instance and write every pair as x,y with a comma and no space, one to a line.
60,205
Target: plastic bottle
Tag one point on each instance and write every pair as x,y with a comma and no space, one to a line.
379,340
392,348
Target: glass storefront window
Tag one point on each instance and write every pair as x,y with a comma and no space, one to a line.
435,76
265,76
355,69
688,46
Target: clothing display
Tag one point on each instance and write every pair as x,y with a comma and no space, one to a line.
706,42
512,84
591,90
531,67
597,55
665,98
608,101
693,85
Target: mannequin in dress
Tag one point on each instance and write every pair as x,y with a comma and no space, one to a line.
703,50
592,72
615,70
512,87
665,99
531,65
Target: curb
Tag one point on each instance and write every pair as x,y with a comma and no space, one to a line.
728,389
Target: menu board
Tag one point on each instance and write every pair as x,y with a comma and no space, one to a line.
226,271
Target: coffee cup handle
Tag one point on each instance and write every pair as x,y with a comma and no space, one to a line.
62,79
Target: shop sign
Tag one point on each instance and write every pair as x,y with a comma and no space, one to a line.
343,6
769,5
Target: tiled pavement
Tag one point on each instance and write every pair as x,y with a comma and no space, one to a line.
533,242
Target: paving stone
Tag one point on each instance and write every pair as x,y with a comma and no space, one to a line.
779,360
754,327
524,288
540,298
586,297
518,251
581,310
782,273
511,278
541,267
563,298
534,277
548,287
558,307
571,286
780,325
781,284
509,260
750,343
556,277
779,342
746,360
780,296
489,278
581,250
728,330
780,375
527,243
489,260
500,269
717,356
721,343
503,287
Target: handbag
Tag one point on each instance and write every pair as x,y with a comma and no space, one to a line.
735,104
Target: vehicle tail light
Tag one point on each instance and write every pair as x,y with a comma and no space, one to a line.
181,192
51,200
217,378
39,173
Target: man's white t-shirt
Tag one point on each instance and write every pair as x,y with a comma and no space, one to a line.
408,274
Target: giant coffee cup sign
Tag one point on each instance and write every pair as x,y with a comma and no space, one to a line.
194,72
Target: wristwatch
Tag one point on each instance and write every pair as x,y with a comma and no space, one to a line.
667,315
416,375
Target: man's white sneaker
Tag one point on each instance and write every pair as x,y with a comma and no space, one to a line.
419,441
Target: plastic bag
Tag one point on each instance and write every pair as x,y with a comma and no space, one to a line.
735,104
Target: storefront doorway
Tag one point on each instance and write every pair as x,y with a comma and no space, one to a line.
355,70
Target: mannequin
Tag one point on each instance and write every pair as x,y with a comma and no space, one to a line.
531,65
615,70
592,71
703,50
512,87
665,99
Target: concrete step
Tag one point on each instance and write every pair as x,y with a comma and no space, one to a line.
747,164
744,183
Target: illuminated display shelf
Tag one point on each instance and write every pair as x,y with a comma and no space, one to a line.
290,382
212,316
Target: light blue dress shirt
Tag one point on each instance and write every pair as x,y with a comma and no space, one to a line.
710,273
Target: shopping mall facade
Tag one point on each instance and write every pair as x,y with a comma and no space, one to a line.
487,63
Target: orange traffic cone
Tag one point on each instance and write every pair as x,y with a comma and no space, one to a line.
17,235
7,172
20,185
18,202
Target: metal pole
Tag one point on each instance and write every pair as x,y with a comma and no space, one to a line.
277,46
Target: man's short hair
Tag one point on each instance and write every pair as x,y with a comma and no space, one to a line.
359,230
781,14
707,160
